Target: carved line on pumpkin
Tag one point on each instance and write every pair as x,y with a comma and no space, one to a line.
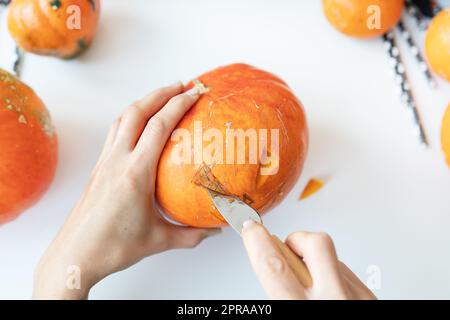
204,178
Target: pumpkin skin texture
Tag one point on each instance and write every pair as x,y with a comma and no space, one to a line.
239,97
350,16
42,26
28,147
437,44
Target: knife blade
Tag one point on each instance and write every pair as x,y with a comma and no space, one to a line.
236,212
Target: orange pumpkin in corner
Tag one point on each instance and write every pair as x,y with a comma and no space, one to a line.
28,147
60,28
437,44
363,18
246,136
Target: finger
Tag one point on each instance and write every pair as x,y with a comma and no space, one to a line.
269,264
319,254
160,126
357,286
186,237
138,113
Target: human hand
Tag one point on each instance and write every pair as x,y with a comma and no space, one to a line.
116,222
331,279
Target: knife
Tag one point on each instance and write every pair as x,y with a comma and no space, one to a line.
236,212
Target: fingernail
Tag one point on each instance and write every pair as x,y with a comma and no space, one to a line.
176,84
248,224
193,92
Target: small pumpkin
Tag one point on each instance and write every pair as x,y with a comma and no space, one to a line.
28,147
437,44
60,28
246,136
356,18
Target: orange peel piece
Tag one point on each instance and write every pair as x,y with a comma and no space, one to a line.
445,135
312,187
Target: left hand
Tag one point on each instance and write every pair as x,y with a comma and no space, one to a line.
116,222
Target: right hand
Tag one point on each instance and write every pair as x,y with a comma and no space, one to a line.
331,278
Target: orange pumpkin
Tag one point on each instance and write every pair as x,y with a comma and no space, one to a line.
437,44
61,28
248,136
358,18
29,147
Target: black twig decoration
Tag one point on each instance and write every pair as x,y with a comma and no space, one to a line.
417,14
18,62
416,53
403,83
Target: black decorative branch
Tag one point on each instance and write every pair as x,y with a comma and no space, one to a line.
416,53
18,62
414,11
402,80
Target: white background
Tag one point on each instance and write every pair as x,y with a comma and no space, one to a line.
386,201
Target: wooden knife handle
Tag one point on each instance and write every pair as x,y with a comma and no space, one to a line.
295,262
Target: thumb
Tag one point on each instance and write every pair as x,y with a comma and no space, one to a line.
269,264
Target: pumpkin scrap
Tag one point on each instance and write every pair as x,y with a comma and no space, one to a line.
312,187
445,135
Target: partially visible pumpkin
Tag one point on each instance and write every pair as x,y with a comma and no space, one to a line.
61,28
28,147
236,97
437,44
357,18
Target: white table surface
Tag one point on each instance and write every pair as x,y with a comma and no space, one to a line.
386,202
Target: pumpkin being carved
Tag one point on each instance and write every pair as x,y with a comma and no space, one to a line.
60,28
28,147
246,136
